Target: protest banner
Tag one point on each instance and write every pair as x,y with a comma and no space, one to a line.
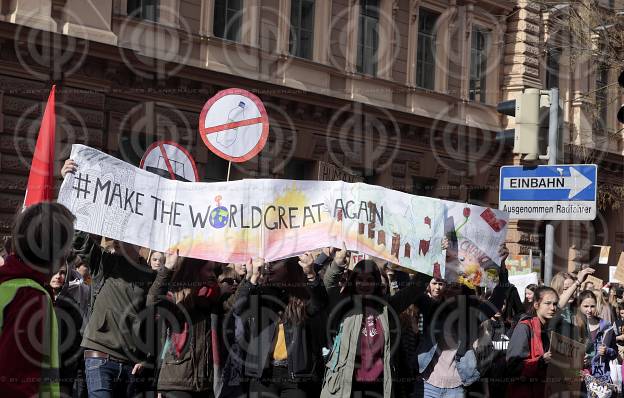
520,264
355,258
233,221
475,235
564,371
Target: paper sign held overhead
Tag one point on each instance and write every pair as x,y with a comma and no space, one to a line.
619,270
170,160
597,282
234,125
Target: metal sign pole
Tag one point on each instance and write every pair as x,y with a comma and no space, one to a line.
553,152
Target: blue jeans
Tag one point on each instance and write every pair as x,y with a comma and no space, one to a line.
430,391
108,379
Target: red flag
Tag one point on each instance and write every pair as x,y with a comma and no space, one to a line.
41,179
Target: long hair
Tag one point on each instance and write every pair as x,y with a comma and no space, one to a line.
409,319
527,305
558,281
538,296
186,282
506,300
292,285
613,297
366,266
580,318
601,302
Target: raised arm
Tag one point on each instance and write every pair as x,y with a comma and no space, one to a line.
248,285
157,294
318,295
334,272
569,292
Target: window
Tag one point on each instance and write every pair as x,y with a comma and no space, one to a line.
423,186
298,169
478,64
143,9
302,28
425,62
368,37
228,19
602,104
552,68
477,195
132,146
216,168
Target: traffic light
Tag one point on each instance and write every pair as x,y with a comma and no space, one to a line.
620,114
526,111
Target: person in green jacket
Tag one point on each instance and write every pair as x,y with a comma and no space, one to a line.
367,322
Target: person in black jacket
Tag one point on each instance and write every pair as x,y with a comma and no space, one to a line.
187,297
283,357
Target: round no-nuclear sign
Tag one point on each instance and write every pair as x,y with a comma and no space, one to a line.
234,125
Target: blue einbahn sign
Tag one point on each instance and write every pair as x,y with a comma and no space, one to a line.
555,192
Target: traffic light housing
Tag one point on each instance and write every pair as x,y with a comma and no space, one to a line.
620,114
526,111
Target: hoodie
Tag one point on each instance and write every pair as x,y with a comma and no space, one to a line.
599,366
22,332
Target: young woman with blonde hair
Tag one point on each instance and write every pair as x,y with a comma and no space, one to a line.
603,309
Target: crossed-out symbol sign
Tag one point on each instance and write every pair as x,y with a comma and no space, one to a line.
234,125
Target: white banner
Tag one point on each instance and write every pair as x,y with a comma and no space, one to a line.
475,235
233,221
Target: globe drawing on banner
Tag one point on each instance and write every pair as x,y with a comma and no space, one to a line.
170,160
219,216
234,125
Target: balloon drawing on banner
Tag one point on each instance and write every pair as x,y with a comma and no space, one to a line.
170,160
234,125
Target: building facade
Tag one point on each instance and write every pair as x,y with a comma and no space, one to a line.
400,93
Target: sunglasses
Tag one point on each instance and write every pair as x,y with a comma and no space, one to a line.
229,281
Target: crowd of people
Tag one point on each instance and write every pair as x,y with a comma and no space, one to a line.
84,315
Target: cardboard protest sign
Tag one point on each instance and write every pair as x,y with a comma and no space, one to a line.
475,235
233,221
599,255
619,271
612,278
564,370
597,282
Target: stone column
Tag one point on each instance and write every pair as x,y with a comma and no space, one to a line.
32,13
89,20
